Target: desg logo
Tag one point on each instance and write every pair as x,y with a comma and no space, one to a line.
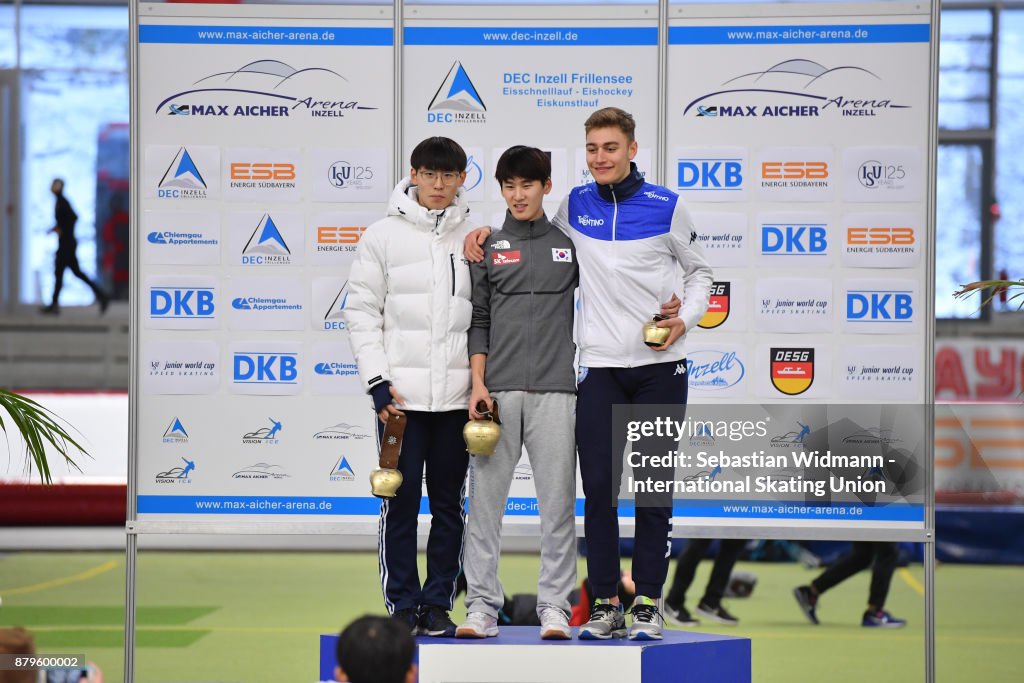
718,306
176,303
792,370
793,240
794,170
710,174
879,306
265,368
262,171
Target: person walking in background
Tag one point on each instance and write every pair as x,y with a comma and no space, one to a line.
66,257
710,606
882,558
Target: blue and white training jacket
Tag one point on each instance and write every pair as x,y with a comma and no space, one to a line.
634,242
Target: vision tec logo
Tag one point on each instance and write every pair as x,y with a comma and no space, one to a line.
177,303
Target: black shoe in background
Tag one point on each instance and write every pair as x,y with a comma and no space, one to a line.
434,621
408,617
716,614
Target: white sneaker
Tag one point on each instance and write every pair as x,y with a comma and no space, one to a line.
554,625
477,625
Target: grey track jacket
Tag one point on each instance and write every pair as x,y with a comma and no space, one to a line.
523,307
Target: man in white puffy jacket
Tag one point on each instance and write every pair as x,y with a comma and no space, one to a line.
408,313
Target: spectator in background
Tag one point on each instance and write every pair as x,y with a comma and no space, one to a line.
66,247
375,650
882,558
710,606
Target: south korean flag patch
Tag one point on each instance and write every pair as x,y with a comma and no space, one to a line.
561,255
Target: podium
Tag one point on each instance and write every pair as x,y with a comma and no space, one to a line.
518,655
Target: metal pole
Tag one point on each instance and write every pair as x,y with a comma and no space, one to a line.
659,156
929,546
134,218
399,101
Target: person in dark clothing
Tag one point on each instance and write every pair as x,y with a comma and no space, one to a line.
710,606
882,558
66,247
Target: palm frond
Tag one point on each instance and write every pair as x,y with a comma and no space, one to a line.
990,289
38,427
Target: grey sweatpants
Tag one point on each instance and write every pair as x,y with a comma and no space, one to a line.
544,422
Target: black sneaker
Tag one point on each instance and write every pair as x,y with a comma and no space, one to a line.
408,617
716,614
808,602
679,617
434,621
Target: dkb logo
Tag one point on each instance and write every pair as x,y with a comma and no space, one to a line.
793,240
173,302
711,174
879,306
265,368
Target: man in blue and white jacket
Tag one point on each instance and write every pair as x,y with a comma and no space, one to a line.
408,315
634,241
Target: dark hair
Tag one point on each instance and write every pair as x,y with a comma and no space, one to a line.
375,650
439,154
610,117
519,161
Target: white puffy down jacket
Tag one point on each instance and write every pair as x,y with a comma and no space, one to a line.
408,308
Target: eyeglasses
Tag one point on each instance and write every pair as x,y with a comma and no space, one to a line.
448,178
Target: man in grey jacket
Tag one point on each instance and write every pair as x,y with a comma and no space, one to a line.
521,353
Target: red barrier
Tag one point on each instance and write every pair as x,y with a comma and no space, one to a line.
63,505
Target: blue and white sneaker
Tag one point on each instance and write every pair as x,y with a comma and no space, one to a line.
647,620
606,621
881,619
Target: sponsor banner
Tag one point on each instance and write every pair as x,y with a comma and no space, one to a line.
723,237
180,367
793,305
869,372
265,239
801,240
174,471
798,33
267,303
798,370
175,434
180,173
531,35
262,174
878,306
710,174
261,87
582,175
883,174
334,237
350,174
753,88
181,238
266,368
266,35
262,432
717,370
984,370
349,432
795,174
333,369
881,240
559,171
726,307
330,294
979,450
181,303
